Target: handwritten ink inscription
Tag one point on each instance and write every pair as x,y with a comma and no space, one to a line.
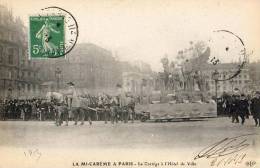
224,161
227,151
33,154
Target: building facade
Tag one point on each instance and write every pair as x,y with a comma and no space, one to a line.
18,75
141,84
242,81
90,67
254,72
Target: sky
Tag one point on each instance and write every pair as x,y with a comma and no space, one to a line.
148,29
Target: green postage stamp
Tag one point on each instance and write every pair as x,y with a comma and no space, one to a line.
46,36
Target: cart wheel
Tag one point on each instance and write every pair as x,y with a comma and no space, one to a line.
143,119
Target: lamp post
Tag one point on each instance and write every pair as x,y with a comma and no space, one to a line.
9,94
215,77
232,85
19,90
58,75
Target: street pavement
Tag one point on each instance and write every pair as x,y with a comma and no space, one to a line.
129,135
40,144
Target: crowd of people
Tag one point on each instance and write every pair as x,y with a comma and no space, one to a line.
28,109
101,108
73,105
240,106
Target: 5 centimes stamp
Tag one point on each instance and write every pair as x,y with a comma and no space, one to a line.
53,33
47,36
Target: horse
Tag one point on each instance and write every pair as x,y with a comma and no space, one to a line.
58,100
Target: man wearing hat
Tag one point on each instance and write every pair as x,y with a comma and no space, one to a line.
243,108
124,107
255,108
234,108
74,99
131,107
114,108
120,97
69,100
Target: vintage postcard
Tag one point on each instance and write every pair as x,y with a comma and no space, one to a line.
129,84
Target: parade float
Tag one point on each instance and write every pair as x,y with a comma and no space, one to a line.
183,88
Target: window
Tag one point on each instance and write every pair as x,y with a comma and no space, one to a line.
10,74
23,86
34,87
10,37
22,76
10,55
29,87
240,81
245,76
18,74
1,53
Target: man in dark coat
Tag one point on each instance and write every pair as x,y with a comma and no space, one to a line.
234,108
255,108
243,108
106,102
131,107
114,108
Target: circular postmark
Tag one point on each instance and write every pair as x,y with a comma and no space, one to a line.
70,26
53,33
224,49
228,50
